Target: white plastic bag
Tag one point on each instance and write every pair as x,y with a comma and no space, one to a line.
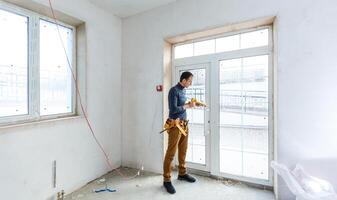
304,186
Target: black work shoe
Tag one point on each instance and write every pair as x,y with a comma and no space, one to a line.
169,187
187,178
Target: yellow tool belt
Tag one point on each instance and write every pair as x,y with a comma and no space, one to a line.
180,124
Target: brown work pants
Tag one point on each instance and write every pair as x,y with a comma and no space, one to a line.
176,140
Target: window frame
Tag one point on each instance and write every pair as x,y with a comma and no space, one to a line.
33,67
218,36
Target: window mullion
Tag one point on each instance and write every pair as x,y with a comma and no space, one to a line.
30,67
35,65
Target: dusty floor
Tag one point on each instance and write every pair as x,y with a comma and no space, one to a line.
149,186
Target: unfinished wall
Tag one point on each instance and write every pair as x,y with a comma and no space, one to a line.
27,152
306,76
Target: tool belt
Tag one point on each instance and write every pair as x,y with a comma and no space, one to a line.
180,124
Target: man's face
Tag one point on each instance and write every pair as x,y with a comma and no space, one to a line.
188,82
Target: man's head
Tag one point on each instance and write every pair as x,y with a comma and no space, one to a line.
186,79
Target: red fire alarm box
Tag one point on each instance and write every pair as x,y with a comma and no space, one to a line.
159,88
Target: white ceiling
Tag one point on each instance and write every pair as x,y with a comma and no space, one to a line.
125,8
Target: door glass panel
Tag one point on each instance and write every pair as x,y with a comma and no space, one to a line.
244,117
196,116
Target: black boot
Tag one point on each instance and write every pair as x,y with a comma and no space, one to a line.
187,178
169,187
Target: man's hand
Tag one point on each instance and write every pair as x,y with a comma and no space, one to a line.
190,105
198,103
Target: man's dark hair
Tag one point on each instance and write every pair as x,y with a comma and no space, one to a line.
185,75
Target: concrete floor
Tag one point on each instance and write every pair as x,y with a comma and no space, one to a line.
149,186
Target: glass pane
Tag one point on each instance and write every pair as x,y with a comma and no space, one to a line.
254,39
229,43
255,91
196,141
255,165
183,51
13,64
244,116
230,161
230,93
55,74
204,47
223,44
235,142
255,140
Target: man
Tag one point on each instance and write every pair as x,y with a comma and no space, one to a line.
177,140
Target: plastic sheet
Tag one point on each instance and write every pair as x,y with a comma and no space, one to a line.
304,186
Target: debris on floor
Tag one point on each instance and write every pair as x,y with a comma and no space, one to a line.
231,182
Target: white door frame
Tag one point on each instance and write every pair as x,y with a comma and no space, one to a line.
214,117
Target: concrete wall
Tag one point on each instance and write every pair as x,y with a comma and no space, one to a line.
27,152
306,76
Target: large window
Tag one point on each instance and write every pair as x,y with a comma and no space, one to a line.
35,73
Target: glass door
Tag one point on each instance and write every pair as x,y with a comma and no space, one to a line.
233,137
198,141
244,104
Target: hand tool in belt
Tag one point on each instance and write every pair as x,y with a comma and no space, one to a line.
171,123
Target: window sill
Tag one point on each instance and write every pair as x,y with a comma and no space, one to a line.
39,122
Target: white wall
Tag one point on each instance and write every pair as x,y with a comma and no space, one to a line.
306,75
27,152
